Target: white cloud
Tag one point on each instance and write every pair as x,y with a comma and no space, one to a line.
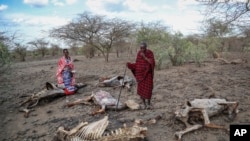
186,20
60,3
167,7
138,6
71,1
103,7
36,3
57,3
38,20
3,7
47,21
184,4
36,26
97,6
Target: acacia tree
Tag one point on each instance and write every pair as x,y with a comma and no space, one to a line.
55,49
20,51
152,33
94,31
216,30
40,45
156,35
231,12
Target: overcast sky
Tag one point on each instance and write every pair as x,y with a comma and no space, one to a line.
32,18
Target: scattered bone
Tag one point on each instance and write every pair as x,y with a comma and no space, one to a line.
132,105
207,108
148,121
141,122
95,132
84,101
26,112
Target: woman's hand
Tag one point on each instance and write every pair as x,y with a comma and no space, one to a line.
73,71
62,86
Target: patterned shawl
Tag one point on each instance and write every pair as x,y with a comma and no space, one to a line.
64,65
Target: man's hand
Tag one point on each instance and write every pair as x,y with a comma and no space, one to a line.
143,55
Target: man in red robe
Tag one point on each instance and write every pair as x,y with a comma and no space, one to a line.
143,70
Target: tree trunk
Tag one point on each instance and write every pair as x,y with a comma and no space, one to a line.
107,57
117,53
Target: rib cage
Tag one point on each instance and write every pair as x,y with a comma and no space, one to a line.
92,131
95,132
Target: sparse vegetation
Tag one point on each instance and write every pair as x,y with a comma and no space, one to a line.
5,57
5,54
90,34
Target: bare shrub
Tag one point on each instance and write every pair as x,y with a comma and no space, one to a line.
88,51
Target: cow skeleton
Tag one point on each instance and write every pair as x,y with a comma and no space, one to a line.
95,131
208,108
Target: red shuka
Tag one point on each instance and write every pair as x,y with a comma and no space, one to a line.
144,73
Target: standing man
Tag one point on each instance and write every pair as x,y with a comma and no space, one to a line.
66,74
143,70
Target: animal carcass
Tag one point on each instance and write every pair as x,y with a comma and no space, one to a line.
106,101
48,93
206,108
95,131
116,81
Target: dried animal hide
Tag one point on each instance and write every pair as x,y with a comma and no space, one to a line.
206,108
106,101
48,93
95,132
116,81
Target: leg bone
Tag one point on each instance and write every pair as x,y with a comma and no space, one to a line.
192,128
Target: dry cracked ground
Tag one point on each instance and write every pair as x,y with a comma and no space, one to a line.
172,86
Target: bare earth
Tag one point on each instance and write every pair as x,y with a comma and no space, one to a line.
172,86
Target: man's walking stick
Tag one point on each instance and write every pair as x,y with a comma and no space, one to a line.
121,89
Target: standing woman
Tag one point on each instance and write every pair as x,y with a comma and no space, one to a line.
66,74
143,70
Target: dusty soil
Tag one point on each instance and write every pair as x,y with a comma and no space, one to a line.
172,86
